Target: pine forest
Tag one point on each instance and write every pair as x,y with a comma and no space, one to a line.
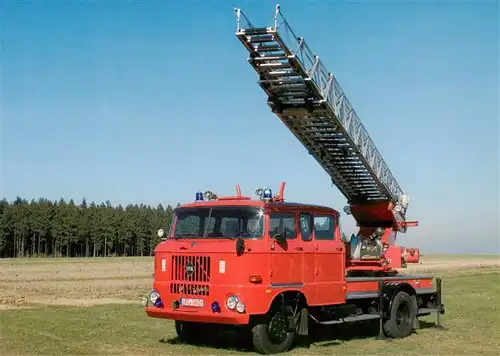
44,228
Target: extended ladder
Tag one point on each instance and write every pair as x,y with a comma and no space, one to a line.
310,102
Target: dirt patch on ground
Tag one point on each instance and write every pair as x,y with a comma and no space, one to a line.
89,302
452,265
11,307
80,270
74,292
78,282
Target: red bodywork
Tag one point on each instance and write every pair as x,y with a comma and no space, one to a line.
266,268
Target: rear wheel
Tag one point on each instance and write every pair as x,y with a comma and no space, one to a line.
401,317
273,335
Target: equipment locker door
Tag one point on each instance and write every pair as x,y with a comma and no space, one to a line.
329,261
286,259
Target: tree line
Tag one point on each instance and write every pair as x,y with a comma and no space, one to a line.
64,229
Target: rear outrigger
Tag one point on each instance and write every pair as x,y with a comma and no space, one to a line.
272,267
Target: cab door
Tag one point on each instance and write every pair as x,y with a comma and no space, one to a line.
306,234
330,281
286,259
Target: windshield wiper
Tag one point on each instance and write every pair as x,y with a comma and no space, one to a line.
184,235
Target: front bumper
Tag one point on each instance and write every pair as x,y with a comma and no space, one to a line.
213,310
224,317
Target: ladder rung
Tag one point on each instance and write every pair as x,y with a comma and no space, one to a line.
257,31
269,58
283,81
274,65
298,94
260,38
284,73
282,90
264,48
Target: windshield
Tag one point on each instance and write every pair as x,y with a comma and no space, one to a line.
218,222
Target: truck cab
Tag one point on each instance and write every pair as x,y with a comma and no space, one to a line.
230,260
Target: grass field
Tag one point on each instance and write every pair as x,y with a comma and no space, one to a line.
91,306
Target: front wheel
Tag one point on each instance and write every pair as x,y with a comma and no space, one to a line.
273,335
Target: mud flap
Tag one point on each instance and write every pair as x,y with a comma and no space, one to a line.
303,328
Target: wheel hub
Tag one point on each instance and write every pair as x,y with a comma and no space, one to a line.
277,330
403,315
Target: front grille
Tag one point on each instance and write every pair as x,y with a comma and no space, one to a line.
191,268
189,289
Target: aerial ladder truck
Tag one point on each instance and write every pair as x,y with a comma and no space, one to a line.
310,102
273,267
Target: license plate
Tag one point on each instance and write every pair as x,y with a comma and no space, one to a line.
190,302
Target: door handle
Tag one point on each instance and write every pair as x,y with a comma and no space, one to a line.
299,249
339,249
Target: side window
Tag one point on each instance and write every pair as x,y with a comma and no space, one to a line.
323,227
306,226
282,223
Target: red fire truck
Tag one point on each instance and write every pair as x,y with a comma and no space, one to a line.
274,268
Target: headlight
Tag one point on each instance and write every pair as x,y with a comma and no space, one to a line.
154,296
240,307
231,302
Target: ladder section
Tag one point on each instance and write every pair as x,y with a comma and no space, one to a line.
310,102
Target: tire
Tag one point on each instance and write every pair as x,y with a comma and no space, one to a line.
402,316
273,335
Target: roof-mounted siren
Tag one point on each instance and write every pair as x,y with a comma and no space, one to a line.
264,194
210,196
199,196
267,194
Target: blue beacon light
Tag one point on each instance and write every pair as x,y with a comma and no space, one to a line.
215,307
267,194
159,303
199,196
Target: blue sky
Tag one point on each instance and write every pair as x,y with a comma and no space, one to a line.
148,102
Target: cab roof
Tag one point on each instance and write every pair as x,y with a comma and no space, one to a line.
255,203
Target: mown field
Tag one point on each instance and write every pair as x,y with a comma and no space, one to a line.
92,306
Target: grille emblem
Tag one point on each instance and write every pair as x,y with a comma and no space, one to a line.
189,269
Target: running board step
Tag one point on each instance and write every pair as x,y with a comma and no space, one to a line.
348,319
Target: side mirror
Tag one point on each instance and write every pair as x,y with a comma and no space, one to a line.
240,246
